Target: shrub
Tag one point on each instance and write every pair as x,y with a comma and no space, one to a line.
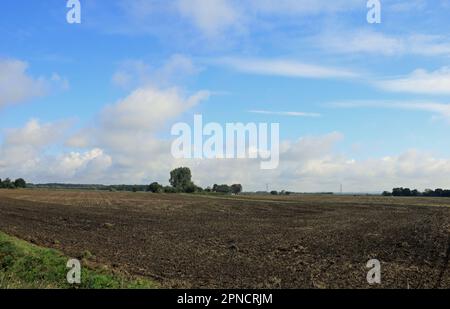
169,189
155,188
190,188
222,189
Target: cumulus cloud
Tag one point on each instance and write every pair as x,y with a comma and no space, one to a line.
312,164
308,164
127,131
132,122
146,109
89,166
125,146
36,134
17,86
25,152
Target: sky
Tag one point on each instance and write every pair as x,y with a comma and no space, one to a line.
359,104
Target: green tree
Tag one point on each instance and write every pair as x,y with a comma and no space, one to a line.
190,188
181,179
20,183
226,189
416,192
169,189
8,184
236,188
155,188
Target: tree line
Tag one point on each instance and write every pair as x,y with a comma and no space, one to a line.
9,184
181,182
415,192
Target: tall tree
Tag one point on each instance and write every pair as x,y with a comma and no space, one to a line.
236,188
181,178
20,183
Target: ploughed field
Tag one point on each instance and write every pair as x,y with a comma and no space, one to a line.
188,241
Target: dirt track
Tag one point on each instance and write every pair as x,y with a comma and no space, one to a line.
294,242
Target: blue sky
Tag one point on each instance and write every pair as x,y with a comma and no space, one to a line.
381,90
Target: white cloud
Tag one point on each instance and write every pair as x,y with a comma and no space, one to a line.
215,17
17,86
283,67
439,109
429,45
127,132
176,67
212,16
360,42
290,114
373,42
420,82
131,73
137,73
25,152
35,134
308,164
148,109
312,164
82,139
80,166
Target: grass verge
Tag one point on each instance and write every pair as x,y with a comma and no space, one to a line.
26,266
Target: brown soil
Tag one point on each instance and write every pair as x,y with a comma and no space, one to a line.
242,242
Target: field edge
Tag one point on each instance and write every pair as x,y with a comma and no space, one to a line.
27,266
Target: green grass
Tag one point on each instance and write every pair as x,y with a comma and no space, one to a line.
26,266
